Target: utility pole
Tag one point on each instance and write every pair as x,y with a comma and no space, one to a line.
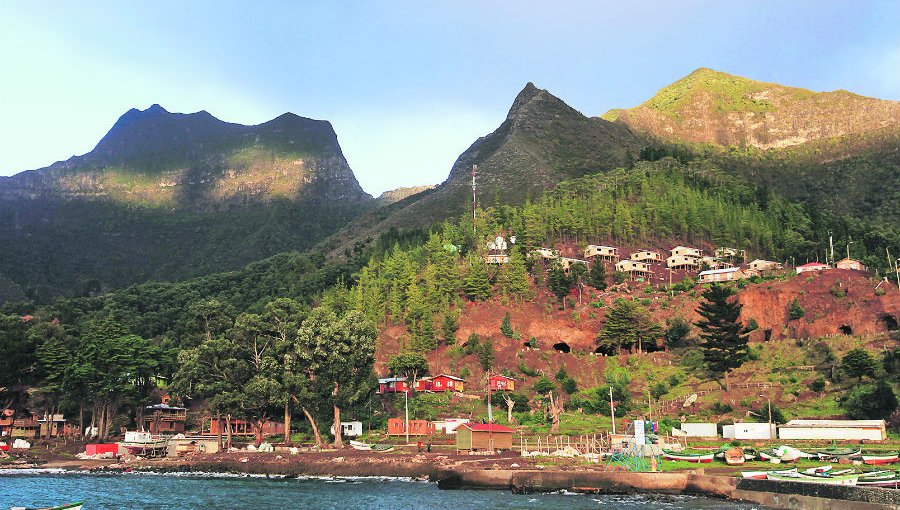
612,410
831,245
406,407
490,416
848,247
474,200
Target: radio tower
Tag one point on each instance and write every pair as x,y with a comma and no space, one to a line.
474,203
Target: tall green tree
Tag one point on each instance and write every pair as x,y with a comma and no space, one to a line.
341,353
411,365
476,284
858,363
513,279
597,276
628,324
723,339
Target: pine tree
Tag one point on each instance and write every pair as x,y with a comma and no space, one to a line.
476,284
597,275
513,279
558,282
723,339
627,324
505,327
449,327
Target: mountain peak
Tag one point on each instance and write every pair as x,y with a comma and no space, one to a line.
709,106
525,98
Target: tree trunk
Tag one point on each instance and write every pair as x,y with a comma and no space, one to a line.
338,441
49,422
81,421
258,430
287,423
228,429
315,428
219,429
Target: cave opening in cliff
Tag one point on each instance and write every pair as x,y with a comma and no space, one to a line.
768,334
890,322
562,347
846,329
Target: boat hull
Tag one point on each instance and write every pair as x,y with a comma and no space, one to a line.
699,459
880,460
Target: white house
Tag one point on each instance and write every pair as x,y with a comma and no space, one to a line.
849,430
749,431
349,428
605,253
699,430
686,251
449,425
646,255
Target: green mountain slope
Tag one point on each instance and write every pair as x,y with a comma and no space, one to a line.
167,196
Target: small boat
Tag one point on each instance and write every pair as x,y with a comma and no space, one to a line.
749,454
70,506
824,478
879,460
358,445
382,448
144,443
837,453
761,475
768,454
880,479
734,457
688,457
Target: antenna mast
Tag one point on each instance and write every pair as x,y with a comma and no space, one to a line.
474,203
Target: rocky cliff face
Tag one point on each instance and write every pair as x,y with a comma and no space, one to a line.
713,107
196,161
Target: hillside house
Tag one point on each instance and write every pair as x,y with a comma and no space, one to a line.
392,385
646,256
444,382
397,427
714,263
545,253
682,262
164,419
566,263
812,267
763,266
633,268
601,253
850,264
241,427
725,275
502,383
58,426
483,436
496,257
726,253
686,251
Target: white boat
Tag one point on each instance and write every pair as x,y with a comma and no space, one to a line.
144,443
70,506
359,445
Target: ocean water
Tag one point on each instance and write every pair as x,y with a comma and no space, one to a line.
199,491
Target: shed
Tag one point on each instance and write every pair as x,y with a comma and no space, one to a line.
850,264
749,431
483,436
349,428
700,429
849,430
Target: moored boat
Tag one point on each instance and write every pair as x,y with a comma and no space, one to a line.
70,506
688,457
144,443
824,478
837,453
879,460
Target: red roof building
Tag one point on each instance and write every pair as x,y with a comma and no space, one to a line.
502,383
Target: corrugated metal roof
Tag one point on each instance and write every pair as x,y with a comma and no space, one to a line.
720,271
486,427
834,424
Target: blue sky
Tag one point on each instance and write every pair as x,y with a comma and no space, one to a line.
408,85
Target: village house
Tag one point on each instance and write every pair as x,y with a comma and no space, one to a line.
682,262
545,253
811,267
502,383
763,266
566,263
850,264
165,419
58,426
397,427
241,427
633,268
646,256
349,428
392,385
483,436
496,257
725,274
444,382
687,252
726,253
714,263
602,253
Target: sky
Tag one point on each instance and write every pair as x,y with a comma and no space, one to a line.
407,84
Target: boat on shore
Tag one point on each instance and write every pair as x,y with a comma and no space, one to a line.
359,445
144,443
832,454
823,478
735,457
70,506
688,457
880,460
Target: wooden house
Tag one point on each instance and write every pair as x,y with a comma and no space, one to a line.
496,257
682,262
726,253
392,385
545,253
566,263
633,268
764,265
713,263
601,253
502,383
483,436
812,267
850,264
646,256
687,251
58,426
444,382
725,274
164,419
397,427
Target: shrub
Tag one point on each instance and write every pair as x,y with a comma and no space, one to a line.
658,390
796,311
870,402
544,385
530,372
532,342
505,327
569,385
677,332
721,408
561,374
879,291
